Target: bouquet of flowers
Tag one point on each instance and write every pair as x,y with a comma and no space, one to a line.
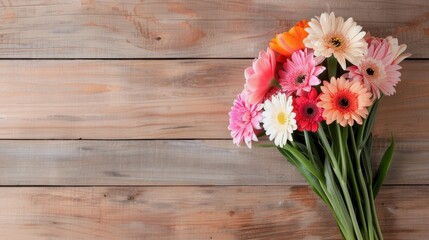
320,115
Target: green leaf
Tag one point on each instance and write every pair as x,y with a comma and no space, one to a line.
302,148
332,134
301,158
365,130
366,160
312,151
311,179
383,168
337,202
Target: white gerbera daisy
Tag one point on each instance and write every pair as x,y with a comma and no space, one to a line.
329,35
278,119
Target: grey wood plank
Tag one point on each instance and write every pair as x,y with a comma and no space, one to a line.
175,162
178,29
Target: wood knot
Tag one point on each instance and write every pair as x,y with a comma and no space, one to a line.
231,213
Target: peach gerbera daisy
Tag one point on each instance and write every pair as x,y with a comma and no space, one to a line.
344,101
329,35
288,42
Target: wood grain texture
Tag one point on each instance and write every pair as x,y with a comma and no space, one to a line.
177,29
223,213
176,162
153,99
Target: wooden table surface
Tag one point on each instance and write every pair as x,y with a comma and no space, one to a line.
113,122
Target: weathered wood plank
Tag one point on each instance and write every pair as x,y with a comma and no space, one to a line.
173,28
224,213
404,114
158,99
161,162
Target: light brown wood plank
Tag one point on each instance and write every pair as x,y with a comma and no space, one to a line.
160,162
157,99
160,29
405,114
224,213
117,99
149,162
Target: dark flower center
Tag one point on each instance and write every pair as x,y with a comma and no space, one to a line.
344,103
370,71
310,111
300,79
336,42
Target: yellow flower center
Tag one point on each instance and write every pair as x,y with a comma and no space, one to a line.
282,118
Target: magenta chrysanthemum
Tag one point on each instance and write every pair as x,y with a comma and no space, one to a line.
244,119
300,73
377,71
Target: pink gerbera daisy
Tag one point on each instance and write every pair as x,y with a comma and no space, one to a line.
344,101
377,71
244,119
273,91
260,77
308,114
300,73
396,49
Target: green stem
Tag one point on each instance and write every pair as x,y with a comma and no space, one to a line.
332,67
368,209
326,144
337,200
307,144
360,136
364,188
358,195
343,184
374,213
342,152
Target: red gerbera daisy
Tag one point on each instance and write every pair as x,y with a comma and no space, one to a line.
308,114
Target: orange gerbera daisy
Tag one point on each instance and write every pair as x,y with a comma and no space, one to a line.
344,101
288,42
